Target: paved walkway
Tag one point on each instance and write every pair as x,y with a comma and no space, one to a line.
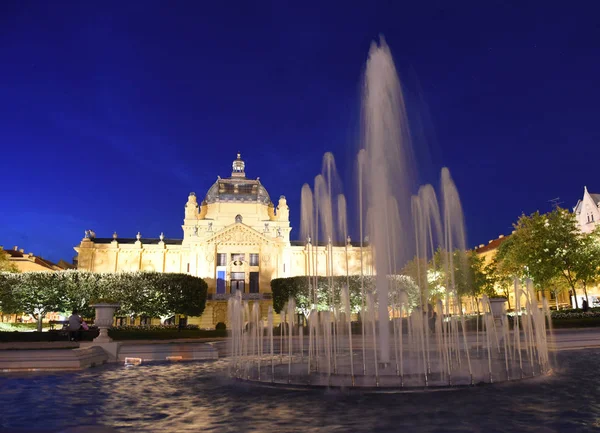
574,339
562,339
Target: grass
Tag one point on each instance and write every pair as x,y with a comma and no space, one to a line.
21,327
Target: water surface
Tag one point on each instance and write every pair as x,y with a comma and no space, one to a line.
193,397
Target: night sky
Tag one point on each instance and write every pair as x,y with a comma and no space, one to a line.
112,112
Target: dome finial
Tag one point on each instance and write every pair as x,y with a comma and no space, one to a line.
238,167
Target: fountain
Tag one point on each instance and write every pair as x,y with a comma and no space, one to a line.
407,338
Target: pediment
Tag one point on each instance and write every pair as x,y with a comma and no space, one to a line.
239,234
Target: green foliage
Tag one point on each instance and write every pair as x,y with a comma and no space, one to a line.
550,247
138,293
8,282
329,291
221,326
5,264
182,294
37,294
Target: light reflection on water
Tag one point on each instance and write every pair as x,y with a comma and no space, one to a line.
192,397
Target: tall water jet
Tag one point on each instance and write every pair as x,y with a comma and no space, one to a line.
387,172
431,347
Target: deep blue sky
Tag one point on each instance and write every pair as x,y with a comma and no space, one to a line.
112,112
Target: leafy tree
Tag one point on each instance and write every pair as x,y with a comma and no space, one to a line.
80,290
301,290
37,294
550,246
587,265
5,264
138,293
556,286
498,279
8,302
181,294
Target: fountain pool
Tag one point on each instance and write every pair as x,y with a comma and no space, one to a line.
192,397
413,333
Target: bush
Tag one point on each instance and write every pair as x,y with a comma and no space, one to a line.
164,334
220,326
575,314
14,337
154,328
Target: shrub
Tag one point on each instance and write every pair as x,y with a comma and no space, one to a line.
220,326
575,314
153,328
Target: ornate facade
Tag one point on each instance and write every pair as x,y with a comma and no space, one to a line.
235,239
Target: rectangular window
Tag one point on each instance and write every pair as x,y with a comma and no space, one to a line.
552,296
188,268
238,257
253,282
238,281
253,259
221,259
221,281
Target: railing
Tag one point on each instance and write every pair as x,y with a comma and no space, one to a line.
245,296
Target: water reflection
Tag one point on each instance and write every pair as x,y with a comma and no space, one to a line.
191,397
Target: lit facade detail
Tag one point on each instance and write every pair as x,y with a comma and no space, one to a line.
235,239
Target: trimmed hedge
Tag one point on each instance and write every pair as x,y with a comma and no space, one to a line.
585,322
27,337
116,334
166,334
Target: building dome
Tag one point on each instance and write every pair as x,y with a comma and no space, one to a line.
237,188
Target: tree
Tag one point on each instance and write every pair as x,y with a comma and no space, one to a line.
301,290
549,246
181,294
80,290
5,263
498,278
587,264
138,293
556,286
8,302
37,294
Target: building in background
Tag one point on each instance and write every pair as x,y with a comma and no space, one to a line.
587,211
235,238
29,262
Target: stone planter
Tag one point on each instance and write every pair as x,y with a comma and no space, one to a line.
104,319
498,308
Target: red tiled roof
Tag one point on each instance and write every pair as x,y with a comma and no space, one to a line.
491,245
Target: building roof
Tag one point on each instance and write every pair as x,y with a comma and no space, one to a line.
238,188
492,245
325,243
133,240
595,198
16,255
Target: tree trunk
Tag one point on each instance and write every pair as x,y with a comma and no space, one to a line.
575,297
39,322
507,298
586,295
556,300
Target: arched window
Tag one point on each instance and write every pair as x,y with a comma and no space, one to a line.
238,218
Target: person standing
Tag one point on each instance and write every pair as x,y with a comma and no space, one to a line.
74,326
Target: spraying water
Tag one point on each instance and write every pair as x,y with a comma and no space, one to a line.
408,336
